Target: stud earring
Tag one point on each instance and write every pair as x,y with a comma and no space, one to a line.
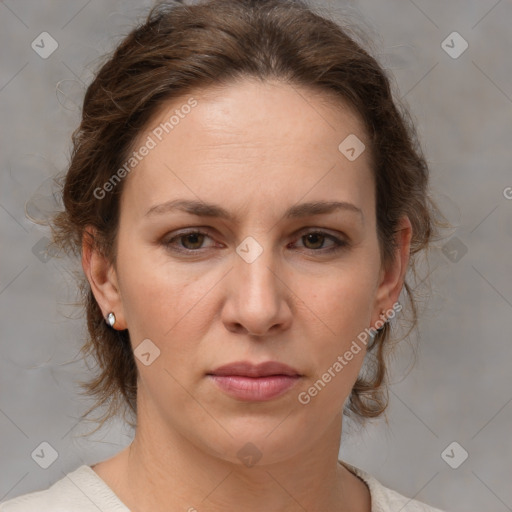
383,316
111,319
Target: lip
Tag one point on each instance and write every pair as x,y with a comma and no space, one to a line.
248,369
249,382
255,389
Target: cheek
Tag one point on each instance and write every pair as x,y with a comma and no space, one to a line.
158,297
342,307
343,299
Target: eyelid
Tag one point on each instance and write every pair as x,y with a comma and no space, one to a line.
187,231
323,231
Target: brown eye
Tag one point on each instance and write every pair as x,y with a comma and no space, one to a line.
186,242
194,239
315,241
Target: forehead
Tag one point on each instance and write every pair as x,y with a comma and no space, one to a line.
245,138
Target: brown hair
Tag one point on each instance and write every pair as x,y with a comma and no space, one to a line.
181,48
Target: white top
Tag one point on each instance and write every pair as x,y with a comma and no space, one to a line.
83,490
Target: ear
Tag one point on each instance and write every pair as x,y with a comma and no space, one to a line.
392,278
102,278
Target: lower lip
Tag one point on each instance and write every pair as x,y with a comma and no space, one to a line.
256,389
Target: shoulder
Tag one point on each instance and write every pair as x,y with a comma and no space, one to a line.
385,499
78,491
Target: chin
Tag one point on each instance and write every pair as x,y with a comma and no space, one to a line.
258,441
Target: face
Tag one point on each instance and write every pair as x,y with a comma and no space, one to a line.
252,265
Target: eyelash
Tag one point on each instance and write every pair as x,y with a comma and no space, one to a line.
339,243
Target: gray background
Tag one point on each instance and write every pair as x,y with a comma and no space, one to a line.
461,386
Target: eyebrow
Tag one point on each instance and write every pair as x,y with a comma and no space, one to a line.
202,209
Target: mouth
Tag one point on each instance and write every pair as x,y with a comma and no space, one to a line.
248,382
247,369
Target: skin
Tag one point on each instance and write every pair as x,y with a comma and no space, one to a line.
256,149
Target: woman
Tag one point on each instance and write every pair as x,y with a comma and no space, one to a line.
246,199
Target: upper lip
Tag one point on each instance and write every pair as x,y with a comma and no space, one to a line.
248,369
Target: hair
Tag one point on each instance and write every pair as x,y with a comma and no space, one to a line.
178,49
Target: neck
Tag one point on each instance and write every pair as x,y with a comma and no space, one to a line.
163,470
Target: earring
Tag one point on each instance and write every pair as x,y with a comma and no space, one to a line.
383,314
111,319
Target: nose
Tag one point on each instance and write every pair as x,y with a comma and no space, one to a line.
257,301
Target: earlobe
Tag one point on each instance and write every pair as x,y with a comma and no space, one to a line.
102,279
392,278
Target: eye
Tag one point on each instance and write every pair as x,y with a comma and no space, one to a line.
189,241
315,240
192,241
